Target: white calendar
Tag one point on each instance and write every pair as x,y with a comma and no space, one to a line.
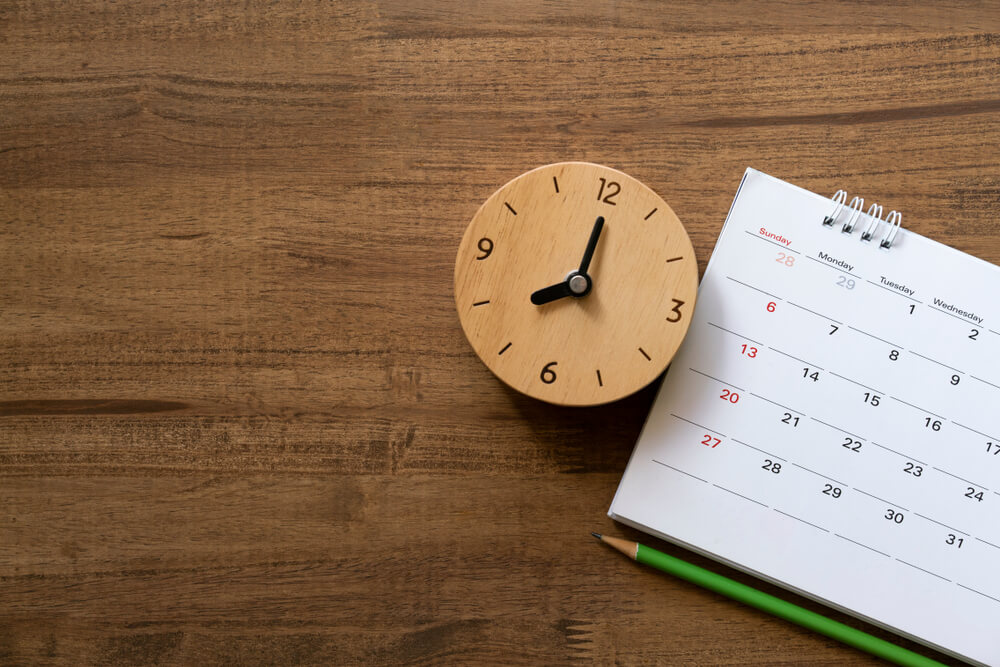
832,421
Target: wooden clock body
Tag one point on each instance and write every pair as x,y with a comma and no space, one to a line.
589,350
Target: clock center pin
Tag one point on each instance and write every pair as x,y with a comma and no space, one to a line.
578,284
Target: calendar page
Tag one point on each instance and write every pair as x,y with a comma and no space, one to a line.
832,421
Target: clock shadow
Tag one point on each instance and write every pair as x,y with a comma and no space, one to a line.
595,439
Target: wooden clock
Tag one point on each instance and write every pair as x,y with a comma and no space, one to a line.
575,284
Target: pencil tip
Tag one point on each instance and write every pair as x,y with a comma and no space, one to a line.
597,535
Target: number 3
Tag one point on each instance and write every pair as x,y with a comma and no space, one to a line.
676,311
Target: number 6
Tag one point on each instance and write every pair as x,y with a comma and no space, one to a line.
548,375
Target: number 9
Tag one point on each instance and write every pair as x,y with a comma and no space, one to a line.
485,245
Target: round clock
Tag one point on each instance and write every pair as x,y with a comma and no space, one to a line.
575,284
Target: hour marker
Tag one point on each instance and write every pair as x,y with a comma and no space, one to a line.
510,207
556,183
600,382
504,349
674,259
648,358
481,303
649,214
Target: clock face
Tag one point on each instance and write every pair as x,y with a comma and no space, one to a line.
575,284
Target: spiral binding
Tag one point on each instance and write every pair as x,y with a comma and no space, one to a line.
894,220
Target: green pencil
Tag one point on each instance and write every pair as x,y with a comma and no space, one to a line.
769,603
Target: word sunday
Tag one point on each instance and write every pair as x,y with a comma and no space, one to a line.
777,237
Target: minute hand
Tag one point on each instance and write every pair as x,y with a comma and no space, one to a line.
595,234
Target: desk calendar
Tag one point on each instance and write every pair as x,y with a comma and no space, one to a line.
832,421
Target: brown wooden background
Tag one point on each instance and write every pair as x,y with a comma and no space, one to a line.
239,421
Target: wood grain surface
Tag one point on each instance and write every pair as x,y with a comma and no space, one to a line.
239,422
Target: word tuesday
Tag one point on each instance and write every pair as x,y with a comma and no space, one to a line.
896,286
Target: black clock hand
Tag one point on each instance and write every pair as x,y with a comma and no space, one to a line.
595,234
551,293
577,283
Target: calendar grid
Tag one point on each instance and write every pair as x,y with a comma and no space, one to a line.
816,431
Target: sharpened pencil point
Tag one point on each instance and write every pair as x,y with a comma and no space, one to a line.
597,535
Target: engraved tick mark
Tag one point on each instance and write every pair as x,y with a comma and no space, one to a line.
504,349
643,352
649,214
674,259
481,303
556,183
600,382
510,207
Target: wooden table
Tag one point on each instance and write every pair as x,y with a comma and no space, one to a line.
239,421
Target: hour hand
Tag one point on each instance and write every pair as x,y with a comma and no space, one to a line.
551,293
576,284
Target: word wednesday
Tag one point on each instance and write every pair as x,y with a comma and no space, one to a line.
958,311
